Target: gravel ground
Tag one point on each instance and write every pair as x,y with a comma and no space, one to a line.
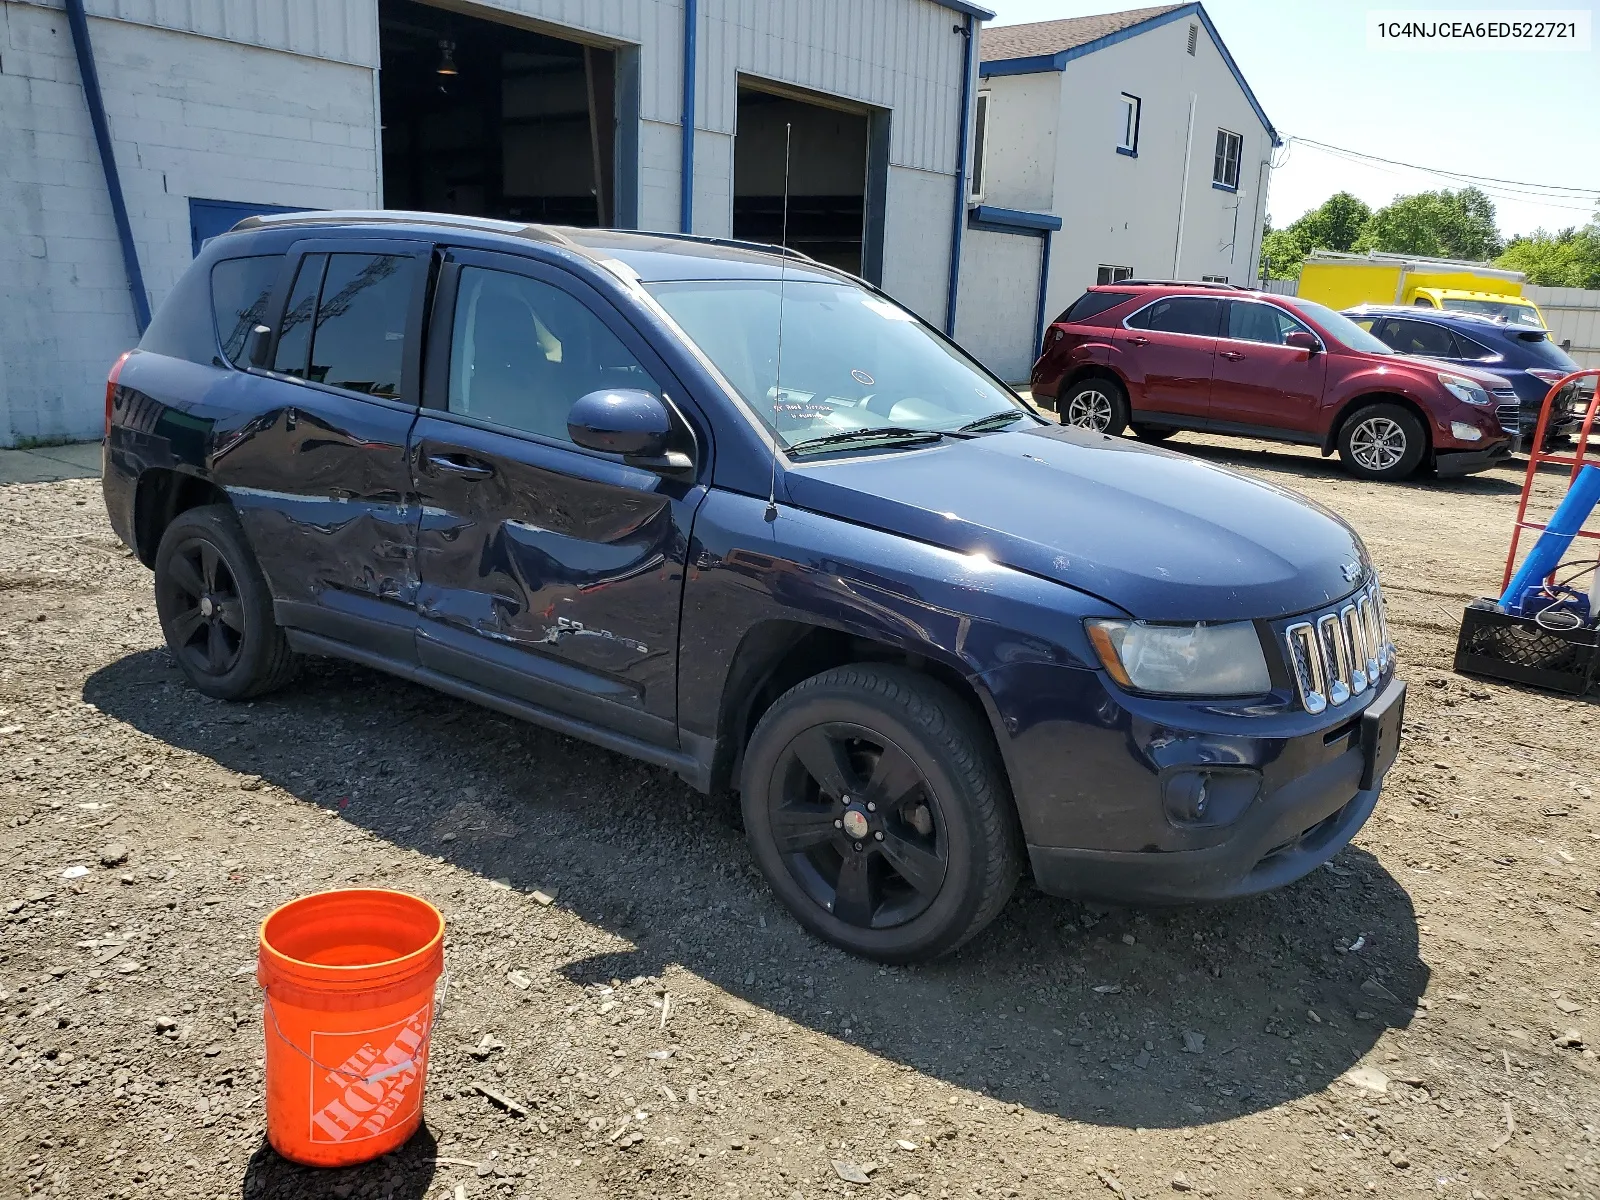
1417,1017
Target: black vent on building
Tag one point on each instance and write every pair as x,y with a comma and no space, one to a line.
1194,36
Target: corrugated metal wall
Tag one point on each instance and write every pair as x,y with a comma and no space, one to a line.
1574,316
887,53
897,54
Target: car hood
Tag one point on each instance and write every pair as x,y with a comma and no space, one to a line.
1161,535
1481,375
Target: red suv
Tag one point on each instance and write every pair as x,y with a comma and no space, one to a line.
1161,356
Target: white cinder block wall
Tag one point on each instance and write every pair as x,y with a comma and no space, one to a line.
189,116
275,102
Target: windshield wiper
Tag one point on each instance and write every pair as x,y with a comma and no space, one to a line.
993,421
894,433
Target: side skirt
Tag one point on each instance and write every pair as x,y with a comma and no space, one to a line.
690,768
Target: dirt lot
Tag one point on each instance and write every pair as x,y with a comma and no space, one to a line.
1411,1019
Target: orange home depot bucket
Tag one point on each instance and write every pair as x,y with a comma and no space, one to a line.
349,977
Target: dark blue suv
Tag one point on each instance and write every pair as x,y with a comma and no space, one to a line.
741,515
1524,357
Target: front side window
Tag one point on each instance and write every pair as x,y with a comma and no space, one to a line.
1108,273
522,352
1250,322
1225,163
241,289
1338,326
1196,315
1130,124
359,341
852,361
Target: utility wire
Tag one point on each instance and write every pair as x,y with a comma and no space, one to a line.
1515,183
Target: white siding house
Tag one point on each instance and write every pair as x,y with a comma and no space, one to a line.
559,110
1136,131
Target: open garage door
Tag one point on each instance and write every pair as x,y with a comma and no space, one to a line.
838,163
496,120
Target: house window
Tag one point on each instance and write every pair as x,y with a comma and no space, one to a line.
980,145
1110,274
1213,279
1194,37
1130,126
1225,166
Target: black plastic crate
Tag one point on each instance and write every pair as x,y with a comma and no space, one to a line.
1518,649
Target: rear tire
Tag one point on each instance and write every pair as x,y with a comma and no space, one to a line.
876,808
216,609
1382,441
1097,403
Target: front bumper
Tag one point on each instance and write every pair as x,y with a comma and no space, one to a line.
1449,463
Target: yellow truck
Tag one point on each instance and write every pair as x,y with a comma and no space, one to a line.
1342,280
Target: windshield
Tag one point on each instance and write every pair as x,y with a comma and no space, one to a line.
851,360
1339,327
1506,310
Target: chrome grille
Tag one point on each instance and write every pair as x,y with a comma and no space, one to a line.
1340,653
1509,416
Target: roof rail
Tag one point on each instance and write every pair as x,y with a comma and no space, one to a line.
386,216
1195,283
707,239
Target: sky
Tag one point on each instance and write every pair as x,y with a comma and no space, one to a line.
1523,116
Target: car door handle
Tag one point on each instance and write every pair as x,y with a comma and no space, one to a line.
1230,355
1138,341
466,468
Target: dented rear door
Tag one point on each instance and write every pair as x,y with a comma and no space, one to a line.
319,474
547,573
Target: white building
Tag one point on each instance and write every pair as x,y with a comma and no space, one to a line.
1135,136
568,111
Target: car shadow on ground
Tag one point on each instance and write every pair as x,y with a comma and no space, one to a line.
404,1174
1305,464
1154,1018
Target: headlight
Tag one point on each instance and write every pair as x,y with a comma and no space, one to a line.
1464,389
1464,432
1186,660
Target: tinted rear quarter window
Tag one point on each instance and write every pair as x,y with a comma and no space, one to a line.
1539,346
1196,315
1092,304
241,289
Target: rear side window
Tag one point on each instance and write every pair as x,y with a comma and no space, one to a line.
1198,315
241,289
359,340
345,322
1092,304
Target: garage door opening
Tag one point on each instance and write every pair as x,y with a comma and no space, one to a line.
832,174
494,120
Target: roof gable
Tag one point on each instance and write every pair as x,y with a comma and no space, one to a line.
1050,45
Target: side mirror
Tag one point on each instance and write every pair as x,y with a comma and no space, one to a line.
1302,339
631,423
255,345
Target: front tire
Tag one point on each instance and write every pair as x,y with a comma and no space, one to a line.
215,608
1383,442
1097,404
876,808
1153,433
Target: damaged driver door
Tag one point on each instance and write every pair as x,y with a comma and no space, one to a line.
549,574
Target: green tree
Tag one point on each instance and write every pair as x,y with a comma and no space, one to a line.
1442,224
1333,225
1570,258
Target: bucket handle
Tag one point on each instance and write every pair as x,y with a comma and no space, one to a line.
392,1069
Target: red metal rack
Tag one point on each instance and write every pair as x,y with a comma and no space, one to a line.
1537,457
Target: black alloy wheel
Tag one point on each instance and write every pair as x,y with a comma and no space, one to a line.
858,826
216,609
206,629
877,808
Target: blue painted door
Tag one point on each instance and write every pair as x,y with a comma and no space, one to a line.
208,218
